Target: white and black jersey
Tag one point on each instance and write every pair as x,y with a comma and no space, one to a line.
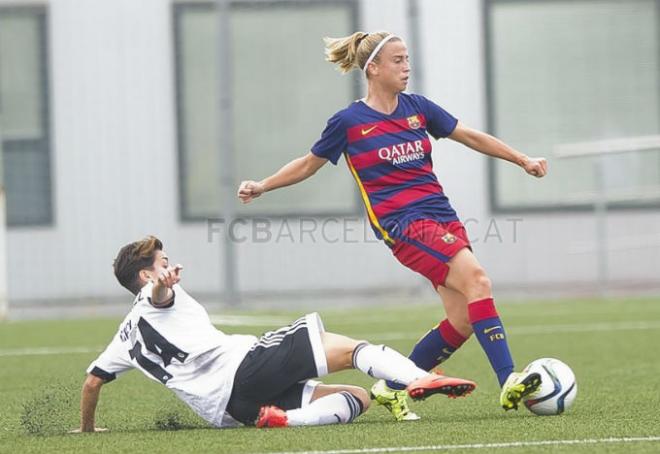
179,347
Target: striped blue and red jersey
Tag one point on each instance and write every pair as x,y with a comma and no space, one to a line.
390,159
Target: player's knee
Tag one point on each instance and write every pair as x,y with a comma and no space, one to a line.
355,348
362,395
340,349
347,352
480,285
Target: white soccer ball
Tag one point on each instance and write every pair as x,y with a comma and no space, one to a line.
558,387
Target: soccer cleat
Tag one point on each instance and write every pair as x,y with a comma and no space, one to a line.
272,416
517,386
439,384
396,401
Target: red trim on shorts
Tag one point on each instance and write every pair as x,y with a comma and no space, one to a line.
450,335
482,310
429,233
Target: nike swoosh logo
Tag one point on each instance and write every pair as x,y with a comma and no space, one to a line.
488,330
367,131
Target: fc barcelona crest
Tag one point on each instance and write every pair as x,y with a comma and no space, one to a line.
448,238
413,122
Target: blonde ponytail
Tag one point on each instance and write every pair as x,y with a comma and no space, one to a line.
352,51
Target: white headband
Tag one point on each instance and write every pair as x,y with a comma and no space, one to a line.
375,51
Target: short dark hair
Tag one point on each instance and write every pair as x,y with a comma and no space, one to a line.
133,258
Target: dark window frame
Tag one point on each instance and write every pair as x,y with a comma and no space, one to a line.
178,9
495,205
44,143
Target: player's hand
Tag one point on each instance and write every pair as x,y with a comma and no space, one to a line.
536,167
162,292
170,276
249,190
79,430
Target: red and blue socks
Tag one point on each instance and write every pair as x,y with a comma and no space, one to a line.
434,348
443,340
489,330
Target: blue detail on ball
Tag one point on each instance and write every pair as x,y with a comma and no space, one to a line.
562,398
557,389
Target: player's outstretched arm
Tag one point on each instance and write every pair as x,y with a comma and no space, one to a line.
294,172
162,293
492,146
88,399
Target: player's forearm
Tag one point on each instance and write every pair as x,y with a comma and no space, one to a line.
292,173
89,399
161,295
492,146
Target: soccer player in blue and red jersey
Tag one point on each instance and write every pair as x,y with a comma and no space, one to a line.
384,139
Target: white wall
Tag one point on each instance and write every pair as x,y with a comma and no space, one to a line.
115,174
4,296
113,149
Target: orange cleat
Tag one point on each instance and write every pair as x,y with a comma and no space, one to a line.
439,384
272,416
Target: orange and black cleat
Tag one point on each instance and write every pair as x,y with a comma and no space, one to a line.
439,384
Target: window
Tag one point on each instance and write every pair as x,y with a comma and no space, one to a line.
573,71
283,93
24,113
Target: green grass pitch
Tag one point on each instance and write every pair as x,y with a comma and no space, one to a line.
612,345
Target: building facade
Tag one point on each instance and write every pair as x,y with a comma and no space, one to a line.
111,132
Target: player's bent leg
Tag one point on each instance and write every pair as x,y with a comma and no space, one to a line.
468,277
340,352
380,361
322,390
425,248
330,404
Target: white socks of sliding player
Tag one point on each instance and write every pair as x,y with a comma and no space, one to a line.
380,361
338,408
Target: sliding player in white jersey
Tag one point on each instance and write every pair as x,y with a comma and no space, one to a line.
232,379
